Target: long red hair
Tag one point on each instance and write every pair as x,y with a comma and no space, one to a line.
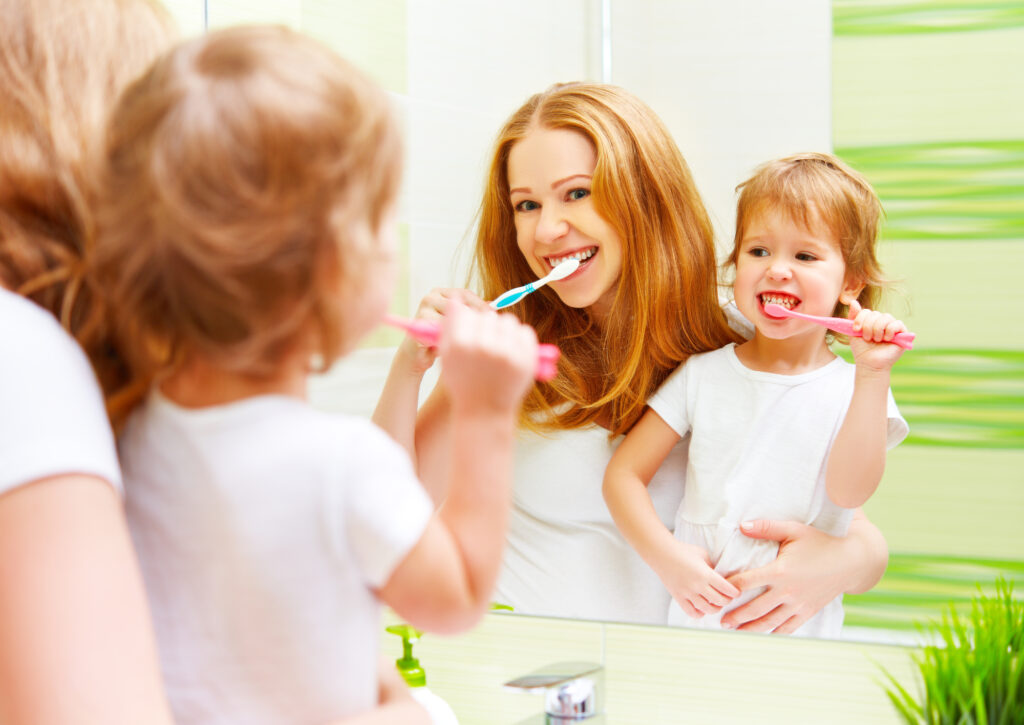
666,304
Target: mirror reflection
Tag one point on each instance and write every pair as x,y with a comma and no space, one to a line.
938,139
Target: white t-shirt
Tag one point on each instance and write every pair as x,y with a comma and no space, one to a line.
52,419
564,556
758,450
263,528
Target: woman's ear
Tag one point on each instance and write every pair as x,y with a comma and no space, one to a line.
852,288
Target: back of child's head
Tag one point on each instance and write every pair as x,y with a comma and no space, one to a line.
244,180
818,190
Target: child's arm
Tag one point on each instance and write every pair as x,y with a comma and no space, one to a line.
445,582
396,409
857,458
685,569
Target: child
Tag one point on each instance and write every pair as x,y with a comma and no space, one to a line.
774,418
246,227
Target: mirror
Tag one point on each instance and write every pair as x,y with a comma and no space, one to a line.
917,99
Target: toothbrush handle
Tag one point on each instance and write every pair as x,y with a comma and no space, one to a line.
430,332
512,296
903,339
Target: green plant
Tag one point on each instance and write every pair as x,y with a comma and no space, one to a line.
973,674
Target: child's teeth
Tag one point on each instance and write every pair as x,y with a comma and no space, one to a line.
787,302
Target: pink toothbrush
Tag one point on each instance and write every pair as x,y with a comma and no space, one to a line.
845,327
430,332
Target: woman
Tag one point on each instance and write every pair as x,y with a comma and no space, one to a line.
588,171
77,644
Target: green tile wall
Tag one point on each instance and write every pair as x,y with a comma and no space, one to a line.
928,104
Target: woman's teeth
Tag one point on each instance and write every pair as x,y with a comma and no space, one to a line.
783,301
582,256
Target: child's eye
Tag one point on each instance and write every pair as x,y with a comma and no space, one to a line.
757,252
577,194
805,257
526,205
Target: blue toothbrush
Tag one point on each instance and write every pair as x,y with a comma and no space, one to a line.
563,270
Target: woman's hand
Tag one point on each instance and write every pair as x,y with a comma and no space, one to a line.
419,357
812,568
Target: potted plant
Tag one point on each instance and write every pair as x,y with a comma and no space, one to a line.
973,670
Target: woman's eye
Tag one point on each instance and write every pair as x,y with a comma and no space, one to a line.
526,205
577,194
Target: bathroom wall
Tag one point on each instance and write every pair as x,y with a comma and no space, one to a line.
924,103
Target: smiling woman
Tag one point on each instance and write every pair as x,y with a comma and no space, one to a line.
551,174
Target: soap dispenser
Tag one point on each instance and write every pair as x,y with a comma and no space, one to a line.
416,678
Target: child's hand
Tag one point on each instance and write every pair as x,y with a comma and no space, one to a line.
432,307
874,350
488,359
693,583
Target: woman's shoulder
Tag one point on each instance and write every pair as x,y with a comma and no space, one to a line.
34,348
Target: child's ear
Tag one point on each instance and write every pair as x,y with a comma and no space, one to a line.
852,288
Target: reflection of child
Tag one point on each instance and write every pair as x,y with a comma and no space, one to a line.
246,227
781,428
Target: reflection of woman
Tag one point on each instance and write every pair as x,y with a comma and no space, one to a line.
589,171
75,638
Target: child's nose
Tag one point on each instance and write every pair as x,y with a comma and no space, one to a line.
552,224
778,269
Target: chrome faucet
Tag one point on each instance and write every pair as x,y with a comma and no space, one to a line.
573,691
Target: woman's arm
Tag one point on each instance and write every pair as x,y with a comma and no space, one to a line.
444,583
76,641
812,568
396,409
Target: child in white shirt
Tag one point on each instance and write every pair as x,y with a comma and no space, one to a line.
781,428
246,228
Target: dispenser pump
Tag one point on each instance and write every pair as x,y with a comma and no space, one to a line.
408,666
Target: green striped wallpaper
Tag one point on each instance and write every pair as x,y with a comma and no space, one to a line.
928,102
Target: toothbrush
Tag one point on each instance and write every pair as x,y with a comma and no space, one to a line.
838,324
563,270
429,333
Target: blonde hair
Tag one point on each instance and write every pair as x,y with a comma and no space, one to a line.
666,306
812,188
244,178
62,63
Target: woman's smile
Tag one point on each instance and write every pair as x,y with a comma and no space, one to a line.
550,175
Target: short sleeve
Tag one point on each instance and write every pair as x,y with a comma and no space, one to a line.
897,428
383,507
669,401
52,418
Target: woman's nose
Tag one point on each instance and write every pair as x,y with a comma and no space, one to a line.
552,224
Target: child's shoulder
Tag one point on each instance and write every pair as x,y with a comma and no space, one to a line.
711,358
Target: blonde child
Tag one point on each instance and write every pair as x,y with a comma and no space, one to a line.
780,426
246,227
